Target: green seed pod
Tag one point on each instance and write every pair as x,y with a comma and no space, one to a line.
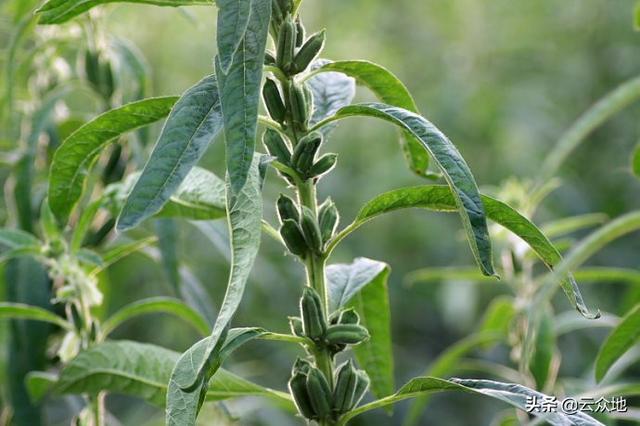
305,152
313,321
349,316
287,209
327,219
346,334
295,324
323,165
276,146
298,389
308,52
76,318
273,101
361,388
298,106
300,32
346,381
293,238
286,44
308,99
311,230
319,393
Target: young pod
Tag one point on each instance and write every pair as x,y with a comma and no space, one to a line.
276,146
293,238
298,106
300,32
287,209
308,52
273,101
327,219
305,152
346,382
285,49
311,230
319,393
295,324
323,165
361,388
349,316
298,389
346,334
313,321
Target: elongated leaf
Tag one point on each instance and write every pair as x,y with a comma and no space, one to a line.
156,305
233,18
15,238
363,284
608,275
544,352
456,172
81,228
240,94
635,158
193,123
59,11
245,219
440,198
390,90
142,370
121,251
331,91
28,312
457,273
513,394
74,158
39,383
612,103
621,339
571,224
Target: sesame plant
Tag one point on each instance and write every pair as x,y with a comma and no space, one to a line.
275,99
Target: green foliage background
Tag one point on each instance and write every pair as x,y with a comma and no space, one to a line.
503,79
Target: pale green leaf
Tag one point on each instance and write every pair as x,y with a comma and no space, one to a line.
83,225
447,157
193,123
28,312
120,251
345,280
59,11
621,339
331,91
73,160
571,224
39,384
240,94
635,158
15,238
156,305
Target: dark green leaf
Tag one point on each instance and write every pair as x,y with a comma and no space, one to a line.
35,313
545,347
621,339
74,158
635,158
39,383
193,123
240,94
447,157
233,18
59,11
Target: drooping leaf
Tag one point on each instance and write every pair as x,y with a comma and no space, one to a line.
193,123
28,312
621,339
74,158
59,11
390,90
244,218
156,305
513,394
363,285
440,198
142,370
331,91
447,157
240,94
233,18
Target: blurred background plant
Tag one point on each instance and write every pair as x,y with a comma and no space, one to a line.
503,80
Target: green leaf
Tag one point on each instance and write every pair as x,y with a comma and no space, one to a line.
39,383
143,370
608,106
608,275
28,312
544,351
233,19
621,339
245,223
390,90
331,91
193,123
498,316
636,17
156,305
83,225
121,251
59,11
15,238
364,284
240,94
447,157
635,158
513,394
440,198
568,225
75,157
453,273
